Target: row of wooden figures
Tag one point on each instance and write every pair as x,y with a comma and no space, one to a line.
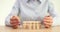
31,25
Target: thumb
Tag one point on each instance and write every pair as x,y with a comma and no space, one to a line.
15,17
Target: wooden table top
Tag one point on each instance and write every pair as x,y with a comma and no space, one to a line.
9,29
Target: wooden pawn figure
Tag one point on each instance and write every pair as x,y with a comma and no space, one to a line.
27,27
35,25
39,26
32,25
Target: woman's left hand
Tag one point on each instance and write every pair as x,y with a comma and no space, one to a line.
48,20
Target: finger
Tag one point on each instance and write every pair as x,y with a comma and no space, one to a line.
48,17
47,26
15,24
14,21
15,17
45,23
48,21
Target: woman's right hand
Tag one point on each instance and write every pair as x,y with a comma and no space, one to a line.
14,21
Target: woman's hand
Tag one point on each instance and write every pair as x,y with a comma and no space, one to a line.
48,20
14,21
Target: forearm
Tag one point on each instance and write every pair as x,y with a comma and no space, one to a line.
7,21
14,12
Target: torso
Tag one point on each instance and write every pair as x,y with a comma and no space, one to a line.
31,11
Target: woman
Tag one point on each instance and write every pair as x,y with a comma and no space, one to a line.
31,10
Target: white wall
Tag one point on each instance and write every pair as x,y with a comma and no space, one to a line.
6,6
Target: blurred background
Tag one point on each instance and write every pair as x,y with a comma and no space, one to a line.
6,6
